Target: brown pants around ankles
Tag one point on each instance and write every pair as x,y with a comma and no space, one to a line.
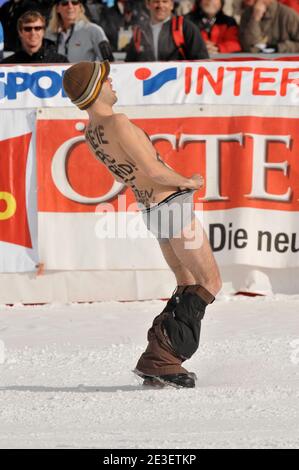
159,357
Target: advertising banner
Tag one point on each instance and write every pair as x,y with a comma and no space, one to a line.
17,191
250,200
251,82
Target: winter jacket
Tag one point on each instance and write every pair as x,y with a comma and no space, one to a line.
194,45
278,29
222,30
83,42
45,55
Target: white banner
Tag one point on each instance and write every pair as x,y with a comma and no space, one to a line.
120,241
253,83
250,200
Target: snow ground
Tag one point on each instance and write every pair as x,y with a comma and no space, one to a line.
66,380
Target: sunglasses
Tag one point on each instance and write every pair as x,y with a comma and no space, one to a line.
64,3
28,29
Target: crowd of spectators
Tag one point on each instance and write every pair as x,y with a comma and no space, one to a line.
144,30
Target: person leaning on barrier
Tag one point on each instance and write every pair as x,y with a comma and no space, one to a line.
165,37
34,48
219,31
269,26
74,35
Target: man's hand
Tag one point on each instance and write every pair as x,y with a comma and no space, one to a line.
259,9
212,47
195,182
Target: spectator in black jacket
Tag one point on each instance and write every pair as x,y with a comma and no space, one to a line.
10,13
157,40
34,49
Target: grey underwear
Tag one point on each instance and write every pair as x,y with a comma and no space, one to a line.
169,217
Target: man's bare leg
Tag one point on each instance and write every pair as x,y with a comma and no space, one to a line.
198,280
199,260
183,275
184,278
159,357
183,327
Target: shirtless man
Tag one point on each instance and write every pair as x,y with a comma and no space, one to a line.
131,158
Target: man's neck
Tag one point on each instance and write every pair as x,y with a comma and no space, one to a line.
66,26
210,16
154,22
100,110
30,51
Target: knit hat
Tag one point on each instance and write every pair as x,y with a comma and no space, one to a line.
83,82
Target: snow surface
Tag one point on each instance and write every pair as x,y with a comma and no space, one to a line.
66,378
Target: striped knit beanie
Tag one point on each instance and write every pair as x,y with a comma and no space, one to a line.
83,82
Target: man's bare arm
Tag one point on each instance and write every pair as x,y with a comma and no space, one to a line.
145,157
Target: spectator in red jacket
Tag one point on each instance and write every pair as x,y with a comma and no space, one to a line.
219,31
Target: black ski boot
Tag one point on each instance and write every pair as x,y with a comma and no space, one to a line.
178,380
175,380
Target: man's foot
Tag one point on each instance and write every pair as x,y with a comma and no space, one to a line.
155,382
180,380
152,382
177,380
